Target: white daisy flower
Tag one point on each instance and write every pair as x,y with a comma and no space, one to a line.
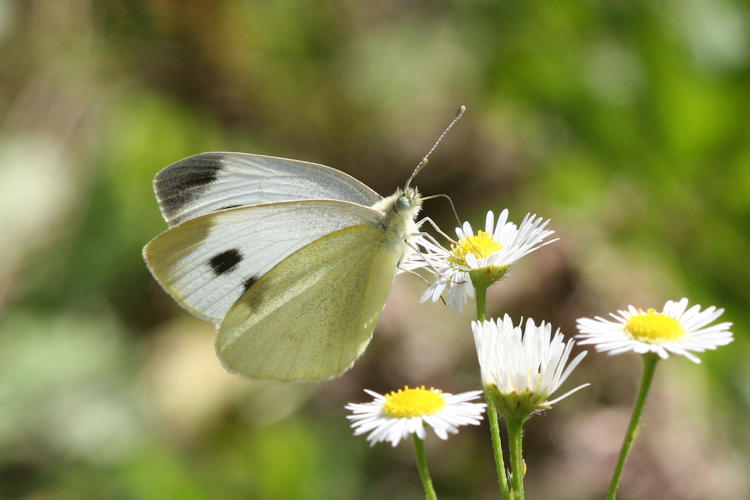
399,413
521,368
489,253
676,329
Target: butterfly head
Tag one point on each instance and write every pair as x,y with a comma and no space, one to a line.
399,211
408,201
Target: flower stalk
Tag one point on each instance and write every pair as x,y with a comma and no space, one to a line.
424,473
649,366
515,437
497,445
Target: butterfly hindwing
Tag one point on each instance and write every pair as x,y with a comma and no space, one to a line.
312,315
208,182
208,262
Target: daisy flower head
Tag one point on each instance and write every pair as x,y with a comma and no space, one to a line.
400,413
481,258
676,330
522,367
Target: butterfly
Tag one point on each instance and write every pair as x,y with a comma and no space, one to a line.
295,260
292,260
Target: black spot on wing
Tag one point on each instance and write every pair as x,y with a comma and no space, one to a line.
250,282
229,206
225,262
183,181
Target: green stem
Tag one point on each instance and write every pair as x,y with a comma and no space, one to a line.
649,365
515,437
424,474
497,447
481,303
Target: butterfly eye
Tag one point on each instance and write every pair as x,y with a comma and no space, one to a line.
403,203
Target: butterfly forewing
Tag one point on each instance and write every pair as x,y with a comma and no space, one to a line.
312,315
208,182
208,262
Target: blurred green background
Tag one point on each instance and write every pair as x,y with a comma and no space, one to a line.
625,122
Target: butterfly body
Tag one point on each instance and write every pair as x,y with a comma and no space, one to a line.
292,260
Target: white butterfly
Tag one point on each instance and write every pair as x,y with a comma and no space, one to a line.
295,260
292,260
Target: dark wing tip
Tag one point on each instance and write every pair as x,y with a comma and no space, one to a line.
182,181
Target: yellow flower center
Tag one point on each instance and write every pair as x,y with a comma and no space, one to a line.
482,245
416,402
653,327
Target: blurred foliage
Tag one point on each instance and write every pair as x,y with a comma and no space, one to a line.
624,122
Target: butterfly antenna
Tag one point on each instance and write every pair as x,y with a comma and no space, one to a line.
426,158
453,207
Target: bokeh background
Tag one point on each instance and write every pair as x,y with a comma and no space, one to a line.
625,122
